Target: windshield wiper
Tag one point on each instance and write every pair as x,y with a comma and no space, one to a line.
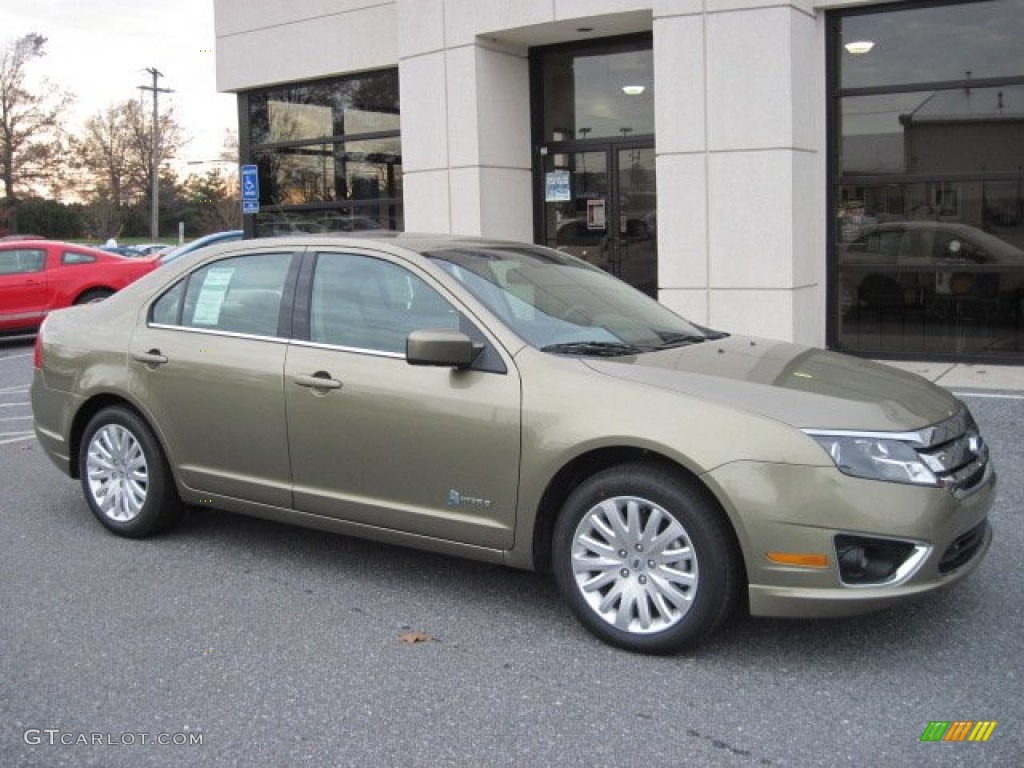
678,340
597,348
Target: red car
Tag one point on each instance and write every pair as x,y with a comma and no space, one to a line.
37,276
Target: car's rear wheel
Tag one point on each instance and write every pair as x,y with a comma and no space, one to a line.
96,294
125,475
645,559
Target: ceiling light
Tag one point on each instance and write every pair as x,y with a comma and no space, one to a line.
633,90
859,47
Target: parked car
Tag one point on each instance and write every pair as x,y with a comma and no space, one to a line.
148,249
201,242
510,403
937,266
128,251
38,276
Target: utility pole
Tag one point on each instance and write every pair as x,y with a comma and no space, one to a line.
154,226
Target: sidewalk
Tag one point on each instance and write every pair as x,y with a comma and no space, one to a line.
1009,378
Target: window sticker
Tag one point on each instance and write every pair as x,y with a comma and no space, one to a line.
557,187
211,296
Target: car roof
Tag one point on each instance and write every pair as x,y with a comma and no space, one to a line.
61,244
413,241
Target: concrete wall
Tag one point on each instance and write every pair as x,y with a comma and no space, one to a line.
740,123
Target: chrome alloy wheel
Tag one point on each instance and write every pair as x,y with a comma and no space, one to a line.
117,473
634,565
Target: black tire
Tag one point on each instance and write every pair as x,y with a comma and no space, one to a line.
125,477
670,561
96,294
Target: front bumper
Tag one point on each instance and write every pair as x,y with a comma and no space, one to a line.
800,509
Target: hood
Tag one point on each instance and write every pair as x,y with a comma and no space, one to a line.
801,386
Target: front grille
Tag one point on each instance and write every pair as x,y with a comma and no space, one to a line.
963,548
955,451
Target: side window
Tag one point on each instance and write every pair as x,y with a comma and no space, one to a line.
889,243
165,309
240,295
368,303
71,257
916,245
22,260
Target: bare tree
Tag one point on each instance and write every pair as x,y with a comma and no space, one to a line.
171,139
30,122
115,154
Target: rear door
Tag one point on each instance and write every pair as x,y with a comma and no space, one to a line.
374,440
208,365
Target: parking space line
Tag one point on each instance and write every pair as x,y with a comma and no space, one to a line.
13,405
15,418
17,437
15,357
18,390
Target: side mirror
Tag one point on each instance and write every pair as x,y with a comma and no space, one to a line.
446,349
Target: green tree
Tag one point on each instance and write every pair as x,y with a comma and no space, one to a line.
213,201
30,119
51,218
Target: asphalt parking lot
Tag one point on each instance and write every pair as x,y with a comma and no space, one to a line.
243,642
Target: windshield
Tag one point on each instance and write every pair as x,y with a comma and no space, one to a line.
561,304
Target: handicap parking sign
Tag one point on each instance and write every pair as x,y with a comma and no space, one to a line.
250,189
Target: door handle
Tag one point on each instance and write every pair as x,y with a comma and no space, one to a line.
152,358
319,380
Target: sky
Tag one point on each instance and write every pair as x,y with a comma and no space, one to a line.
99,50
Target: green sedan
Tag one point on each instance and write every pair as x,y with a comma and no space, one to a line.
509,403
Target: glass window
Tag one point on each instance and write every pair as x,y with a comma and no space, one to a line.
598,92
956,130
242,294
166,310
325,108
929,229
931,44
551,299
354,170
365,303
21,260
71,257
329,155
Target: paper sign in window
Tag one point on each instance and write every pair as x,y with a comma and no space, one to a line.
211,296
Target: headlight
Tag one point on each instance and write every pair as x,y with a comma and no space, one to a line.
876,458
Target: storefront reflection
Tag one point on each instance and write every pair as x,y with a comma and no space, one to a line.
932,287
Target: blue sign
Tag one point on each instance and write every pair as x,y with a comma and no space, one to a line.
250,189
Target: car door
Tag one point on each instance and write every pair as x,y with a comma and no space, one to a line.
374,440
208,365
23,287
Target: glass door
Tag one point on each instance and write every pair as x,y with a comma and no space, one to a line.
599,204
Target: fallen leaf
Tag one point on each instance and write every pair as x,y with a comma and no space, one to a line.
416,637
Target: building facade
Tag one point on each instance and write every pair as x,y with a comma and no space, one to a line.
848,174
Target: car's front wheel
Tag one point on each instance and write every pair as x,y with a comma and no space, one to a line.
645,559
125,476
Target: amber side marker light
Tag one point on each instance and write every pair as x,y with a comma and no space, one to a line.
803,560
